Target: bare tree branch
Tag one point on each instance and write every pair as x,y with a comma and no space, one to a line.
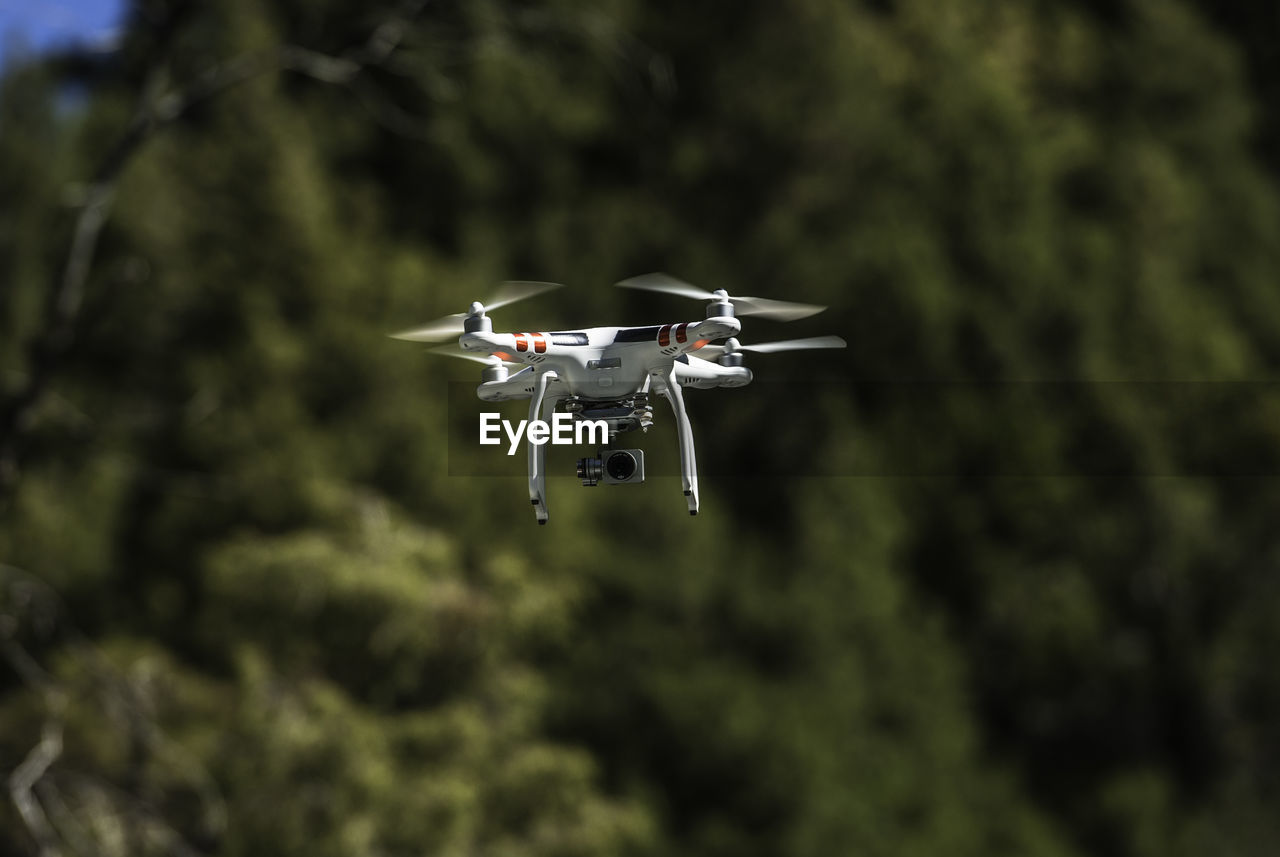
23,780
62,818
25,601
155,111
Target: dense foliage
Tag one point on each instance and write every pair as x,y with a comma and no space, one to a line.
1004,583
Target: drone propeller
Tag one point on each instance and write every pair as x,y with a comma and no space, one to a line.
453,325
763,307
491,360
732,346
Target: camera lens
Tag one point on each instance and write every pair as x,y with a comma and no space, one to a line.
621,466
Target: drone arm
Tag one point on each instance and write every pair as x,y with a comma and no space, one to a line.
503,345
537,452
688,465
711,329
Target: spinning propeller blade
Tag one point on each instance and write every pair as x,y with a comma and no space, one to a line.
444,328
763,307
517,290
667,284
452,325
732,345
776,310
491,360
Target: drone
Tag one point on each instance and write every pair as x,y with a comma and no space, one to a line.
606,374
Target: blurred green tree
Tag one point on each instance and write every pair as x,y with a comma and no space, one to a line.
1006,581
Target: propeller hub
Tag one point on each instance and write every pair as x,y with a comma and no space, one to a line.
477,323
477,309
731,356
720,305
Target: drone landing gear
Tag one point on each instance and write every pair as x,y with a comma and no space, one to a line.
543,406
688,466
540,405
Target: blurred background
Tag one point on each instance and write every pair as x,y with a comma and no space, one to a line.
1006,582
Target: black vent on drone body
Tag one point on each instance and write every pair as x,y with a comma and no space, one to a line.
637,334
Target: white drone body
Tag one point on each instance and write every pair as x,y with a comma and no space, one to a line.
607,373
